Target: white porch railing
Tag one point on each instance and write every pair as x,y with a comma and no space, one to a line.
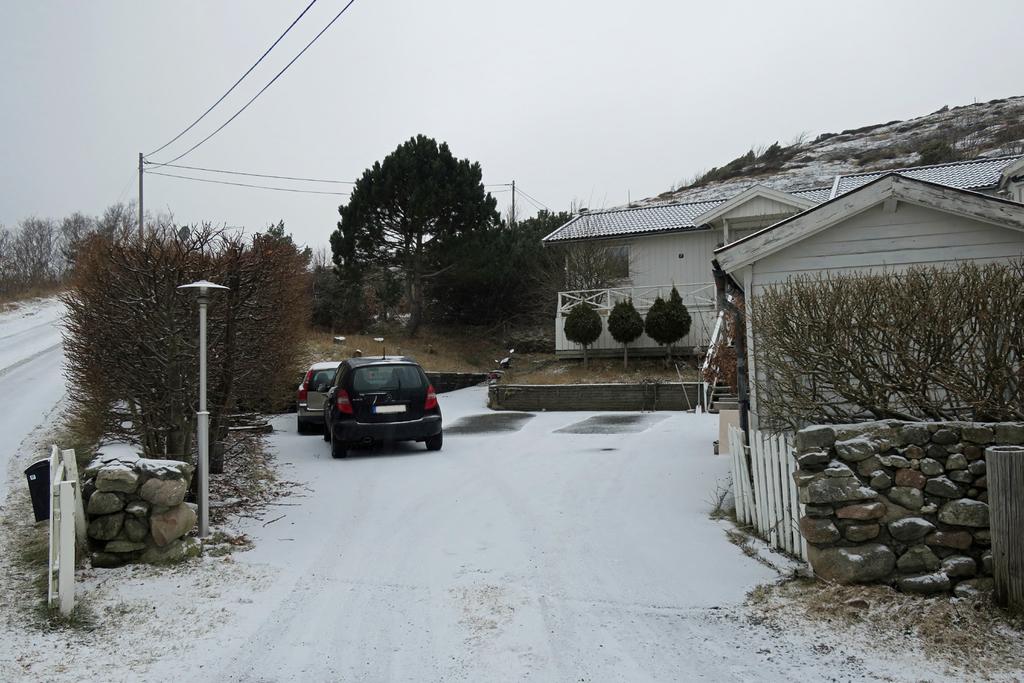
67,529
766,495
603,300
699,299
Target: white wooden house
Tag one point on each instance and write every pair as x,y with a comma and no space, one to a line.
674,244
888,223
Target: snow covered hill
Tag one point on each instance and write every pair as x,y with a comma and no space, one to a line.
977,130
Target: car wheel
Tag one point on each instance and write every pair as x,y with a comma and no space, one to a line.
327,431
338,449
434,442
300,426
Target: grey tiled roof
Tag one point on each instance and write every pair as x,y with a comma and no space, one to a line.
815,194
643,219
966,175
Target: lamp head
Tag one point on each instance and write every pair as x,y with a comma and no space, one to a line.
203,286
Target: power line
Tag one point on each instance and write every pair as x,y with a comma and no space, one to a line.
532,198
255,175
257,187
264,88
248,71
124,189
533,203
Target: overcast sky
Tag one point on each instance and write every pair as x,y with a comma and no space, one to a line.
575,100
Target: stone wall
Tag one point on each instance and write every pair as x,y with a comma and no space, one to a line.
136,510
644,396
902,503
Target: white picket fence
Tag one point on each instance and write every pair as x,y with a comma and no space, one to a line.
763,487
67,529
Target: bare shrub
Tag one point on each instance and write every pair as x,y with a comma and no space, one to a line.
131,335
923,344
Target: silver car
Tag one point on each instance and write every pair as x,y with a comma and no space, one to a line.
311,396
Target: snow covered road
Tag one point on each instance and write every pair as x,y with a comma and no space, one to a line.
31,377
540,552
547,547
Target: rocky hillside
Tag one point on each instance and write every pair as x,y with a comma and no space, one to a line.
976,130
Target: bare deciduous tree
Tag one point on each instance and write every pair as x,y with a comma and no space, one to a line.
590,265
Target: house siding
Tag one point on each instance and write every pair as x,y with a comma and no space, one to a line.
654,259
877,241
760,207
654,262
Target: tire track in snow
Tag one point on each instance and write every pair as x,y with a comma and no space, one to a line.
360,615
28,359
28,330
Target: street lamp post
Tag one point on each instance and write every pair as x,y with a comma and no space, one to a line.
203,415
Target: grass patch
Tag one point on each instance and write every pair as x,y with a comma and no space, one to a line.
471,350
82,618
29,542
974,636
249,487
29,559
745,542
718,501
220,543
437,349
13,300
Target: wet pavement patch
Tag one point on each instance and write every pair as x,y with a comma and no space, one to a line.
489,422
613,424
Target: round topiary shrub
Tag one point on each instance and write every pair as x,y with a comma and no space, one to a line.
583,326
625,325
668,322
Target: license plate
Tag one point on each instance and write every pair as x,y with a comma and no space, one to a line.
388,409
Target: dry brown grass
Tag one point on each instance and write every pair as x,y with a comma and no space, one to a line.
546,369
470,350
974,637
436,349
13,300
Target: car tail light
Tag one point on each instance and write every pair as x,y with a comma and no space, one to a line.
431,401
304,389
343,402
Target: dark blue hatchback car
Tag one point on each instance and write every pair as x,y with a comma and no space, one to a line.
375,400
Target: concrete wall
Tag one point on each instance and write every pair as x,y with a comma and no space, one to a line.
650,396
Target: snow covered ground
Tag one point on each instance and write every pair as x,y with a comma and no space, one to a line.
31,378
549,547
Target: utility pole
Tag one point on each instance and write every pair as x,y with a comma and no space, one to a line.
140,197
512,218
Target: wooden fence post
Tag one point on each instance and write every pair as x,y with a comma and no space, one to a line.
1005,471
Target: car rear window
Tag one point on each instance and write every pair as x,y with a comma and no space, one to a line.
322,377
387,378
